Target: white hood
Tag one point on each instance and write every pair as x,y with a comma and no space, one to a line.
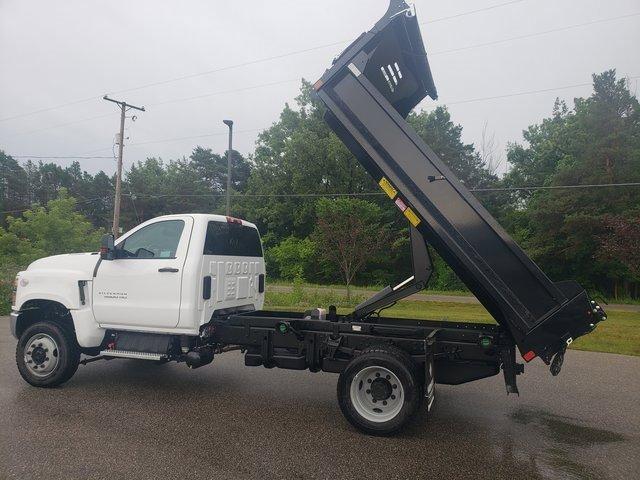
78,263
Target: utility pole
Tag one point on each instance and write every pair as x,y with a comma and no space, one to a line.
229,123
116,202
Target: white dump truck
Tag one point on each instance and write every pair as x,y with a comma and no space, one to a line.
188,287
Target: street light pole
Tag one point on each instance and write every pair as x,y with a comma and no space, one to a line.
229,123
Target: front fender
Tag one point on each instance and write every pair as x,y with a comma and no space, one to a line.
62,288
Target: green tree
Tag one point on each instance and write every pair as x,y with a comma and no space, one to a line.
14,187
56,228
212,168
291,259
596,142
153,188
299,154
42,231
445,138
349,234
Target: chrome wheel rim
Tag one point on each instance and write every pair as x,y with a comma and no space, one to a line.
41,355
377,394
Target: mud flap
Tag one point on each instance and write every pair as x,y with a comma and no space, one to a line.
556,363
510,369
429,377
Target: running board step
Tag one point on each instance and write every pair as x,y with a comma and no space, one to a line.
129,354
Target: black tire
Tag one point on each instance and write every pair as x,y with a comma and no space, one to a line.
67,355
400,364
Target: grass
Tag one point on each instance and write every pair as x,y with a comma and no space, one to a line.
358,288
620,333
464,293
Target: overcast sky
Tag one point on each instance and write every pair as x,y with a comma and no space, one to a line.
57,52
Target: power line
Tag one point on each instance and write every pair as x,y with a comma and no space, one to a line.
306,50
224,92
47,109
288,54
528,92
318,195
83,120
177,139
322,46
281,82
514,94
556,187
55,157
41,206
470,12
371,194
535,34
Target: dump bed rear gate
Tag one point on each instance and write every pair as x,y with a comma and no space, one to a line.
368,92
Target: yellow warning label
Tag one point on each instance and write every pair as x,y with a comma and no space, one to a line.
388,188
413,218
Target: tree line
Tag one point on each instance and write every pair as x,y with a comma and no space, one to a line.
293,187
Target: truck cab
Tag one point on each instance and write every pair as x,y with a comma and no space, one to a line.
169,275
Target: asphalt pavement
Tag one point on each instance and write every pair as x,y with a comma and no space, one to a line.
135,419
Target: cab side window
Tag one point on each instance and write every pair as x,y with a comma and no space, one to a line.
158,240
232,239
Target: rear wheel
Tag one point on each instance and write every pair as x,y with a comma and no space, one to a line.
47,355
379,390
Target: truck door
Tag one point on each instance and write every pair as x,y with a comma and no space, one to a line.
141,288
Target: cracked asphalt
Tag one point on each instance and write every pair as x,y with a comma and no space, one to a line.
134,419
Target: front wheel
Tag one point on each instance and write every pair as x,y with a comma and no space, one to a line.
379,390
47,355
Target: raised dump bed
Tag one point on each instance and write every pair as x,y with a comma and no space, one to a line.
369,91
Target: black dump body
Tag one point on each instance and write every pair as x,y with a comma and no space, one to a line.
369,91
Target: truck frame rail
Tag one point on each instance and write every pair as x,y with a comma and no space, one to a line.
461,352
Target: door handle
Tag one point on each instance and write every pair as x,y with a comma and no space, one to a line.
168,269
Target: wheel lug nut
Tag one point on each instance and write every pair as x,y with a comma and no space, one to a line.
393,397
39,344
46,350
368,391
368,380
374,400
388,377
377,374
384,402
395,386
46,359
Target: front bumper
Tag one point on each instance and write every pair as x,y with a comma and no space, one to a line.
13,321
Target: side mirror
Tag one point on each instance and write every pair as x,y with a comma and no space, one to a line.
107,248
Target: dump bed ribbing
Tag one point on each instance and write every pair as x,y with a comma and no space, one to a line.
369,91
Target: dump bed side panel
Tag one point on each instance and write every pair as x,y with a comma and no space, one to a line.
460,225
